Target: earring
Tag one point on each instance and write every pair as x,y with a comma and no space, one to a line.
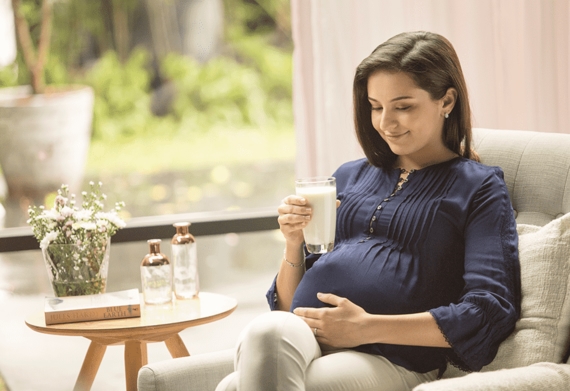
446,115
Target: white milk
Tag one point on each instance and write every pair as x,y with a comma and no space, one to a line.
319,232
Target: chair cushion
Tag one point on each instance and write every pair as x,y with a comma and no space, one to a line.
536,377
199,372
543,332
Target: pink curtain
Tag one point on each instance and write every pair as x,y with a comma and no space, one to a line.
515,56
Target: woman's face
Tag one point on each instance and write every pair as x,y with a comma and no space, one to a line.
406,116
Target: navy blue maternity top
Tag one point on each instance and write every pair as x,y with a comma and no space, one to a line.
445,243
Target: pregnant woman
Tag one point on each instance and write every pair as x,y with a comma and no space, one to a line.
424,269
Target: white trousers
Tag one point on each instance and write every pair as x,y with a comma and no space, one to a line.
278,351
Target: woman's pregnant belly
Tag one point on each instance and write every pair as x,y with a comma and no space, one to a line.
374,277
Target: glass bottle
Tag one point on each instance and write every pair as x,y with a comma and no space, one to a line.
156,275
185,262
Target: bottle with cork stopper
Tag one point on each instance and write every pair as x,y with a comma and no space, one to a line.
156,275
184,262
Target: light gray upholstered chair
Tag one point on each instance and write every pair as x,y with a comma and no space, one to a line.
537,173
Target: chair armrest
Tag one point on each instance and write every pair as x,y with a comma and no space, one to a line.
535,377
201,372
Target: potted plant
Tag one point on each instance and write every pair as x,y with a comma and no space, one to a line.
44,130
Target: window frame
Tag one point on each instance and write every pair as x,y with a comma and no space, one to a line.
160,227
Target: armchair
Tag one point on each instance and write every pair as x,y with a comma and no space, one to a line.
537,174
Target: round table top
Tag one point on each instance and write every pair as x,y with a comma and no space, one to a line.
158,318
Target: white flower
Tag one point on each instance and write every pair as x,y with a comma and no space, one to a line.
65,223
50,237
112,218
83,214
87,225
50,214
66,211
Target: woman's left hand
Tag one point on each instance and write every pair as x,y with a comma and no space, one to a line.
339,326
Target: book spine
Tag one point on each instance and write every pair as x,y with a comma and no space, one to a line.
85,315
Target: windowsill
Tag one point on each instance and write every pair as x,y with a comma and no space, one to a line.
141,228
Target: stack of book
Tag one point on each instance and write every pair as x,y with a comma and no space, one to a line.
112,305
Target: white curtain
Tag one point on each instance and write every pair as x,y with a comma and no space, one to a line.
515,56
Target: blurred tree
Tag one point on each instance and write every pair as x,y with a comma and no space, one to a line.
33,30
266,17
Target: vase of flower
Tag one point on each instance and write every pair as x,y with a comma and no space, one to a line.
78,269
76,242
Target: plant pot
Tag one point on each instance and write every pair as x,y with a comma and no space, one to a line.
44,140
77,270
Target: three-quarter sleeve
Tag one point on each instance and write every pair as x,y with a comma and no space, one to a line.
489,305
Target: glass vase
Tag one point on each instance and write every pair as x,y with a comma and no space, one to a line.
78,269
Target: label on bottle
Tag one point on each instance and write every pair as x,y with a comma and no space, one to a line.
156,284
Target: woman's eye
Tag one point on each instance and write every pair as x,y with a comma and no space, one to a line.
404,108
376,108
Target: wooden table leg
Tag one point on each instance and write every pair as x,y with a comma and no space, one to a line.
176,346
90,366
135,357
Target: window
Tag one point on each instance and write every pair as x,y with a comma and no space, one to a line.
192,107
174,132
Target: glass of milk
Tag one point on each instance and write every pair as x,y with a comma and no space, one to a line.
320,193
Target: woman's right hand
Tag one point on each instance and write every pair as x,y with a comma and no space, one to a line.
294,214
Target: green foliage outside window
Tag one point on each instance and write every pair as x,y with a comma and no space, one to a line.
122,96
236,93
247,86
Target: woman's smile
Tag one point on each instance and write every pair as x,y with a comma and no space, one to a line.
395,136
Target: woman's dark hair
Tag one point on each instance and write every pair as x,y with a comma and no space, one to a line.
430,60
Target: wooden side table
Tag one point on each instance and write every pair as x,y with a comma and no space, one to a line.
157,323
